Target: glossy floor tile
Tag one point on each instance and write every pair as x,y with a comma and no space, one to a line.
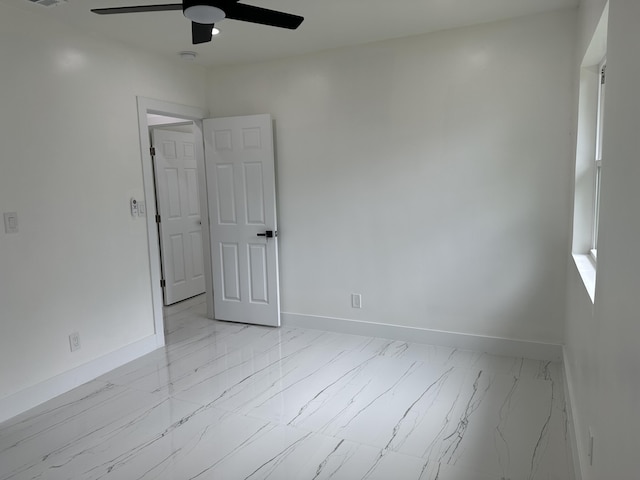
230,401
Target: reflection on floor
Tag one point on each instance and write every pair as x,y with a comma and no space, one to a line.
229,401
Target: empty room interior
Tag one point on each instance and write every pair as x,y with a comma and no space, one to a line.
391,240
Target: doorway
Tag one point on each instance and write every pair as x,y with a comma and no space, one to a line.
150,112
239,186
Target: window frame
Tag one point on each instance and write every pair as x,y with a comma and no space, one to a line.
597,187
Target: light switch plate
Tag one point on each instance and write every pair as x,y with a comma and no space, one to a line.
11,222
74,341
356,300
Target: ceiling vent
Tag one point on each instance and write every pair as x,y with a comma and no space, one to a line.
47,3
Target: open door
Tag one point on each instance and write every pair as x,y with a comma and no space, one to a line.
179,224
242,208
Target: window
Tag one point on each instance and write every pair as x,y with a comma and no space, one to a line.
590,155
598,160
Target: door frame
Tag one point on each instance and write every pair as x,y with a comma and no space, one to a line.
195,114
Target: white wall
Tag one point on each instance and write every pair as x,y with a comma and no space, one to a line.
428,174
70,162
602,351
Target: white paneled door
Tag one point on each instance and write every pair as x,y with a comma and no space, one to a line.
179,209
242,209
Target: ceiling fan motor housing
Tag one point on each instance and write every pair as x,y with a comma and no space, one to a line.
203,11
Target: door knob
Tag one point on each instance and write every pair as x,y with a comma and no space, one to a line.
268,234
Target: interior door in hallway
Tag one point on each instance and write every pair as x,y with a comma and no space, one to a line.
180,228
242,205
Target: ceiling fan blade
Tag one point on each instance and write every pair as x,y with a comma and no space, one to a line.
201,33
249,13
139,8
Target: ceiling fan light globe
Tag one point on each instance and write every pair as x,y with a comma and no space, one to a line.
205,14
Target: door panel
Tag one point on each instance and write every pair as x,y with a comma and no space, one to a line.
254,193
241,172
196,252
177,255
258,273
173,192
193,202
179,209
226,195
230,272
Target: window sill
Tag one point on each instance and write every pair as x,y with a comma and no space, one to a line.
587,268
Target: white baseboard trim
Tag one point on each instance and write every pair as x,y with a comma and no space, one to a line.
463,341
33,396
573,434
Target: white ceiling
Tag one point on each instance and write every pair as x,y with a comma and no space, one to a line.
328,24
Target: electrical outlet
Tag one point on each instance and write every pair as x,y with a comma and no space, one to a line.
74,341
356,300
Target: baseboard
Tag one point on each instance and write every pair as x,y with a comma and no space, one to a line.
33,396
573,437
464,341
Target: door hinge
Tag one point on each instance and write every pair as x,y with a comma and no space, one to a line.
163,283
603,74
152,151
158,219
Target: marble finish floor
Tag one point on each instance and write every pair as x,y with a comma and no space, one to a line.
229,401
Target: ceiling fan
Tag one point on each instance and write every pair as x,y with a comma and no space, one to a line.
205,13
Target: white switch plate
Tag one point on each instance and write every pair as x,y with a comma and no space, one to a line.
74,341
142,209
11,222
356,300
